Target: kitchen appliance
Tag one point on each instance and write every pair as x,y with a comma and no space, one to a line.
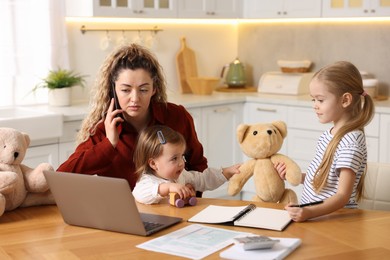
235,75
275,82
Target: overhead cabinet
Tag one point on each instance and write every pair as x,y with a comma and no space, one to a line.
155,8
122,8
209,8
355,8
282,9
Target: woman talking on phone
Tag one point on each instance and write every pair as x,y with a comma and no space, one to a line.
129,95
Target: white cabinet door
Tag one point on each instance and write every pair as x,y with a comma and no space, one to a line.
384,146
282,8
123,8
219,124
209,8
355,8
42,154
196,114
65,150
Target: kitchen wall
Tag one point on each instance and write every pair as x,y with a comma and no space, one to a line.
258,45
366,44
214,45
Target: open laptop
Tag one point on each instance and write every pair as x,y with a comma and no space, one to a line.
102,203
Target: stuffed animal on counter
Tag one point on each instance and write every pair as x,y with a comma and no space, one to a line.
261,142
20,185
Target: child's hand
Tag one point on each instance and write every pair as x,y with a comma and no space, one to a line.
230,171
184,191
297,214
280,167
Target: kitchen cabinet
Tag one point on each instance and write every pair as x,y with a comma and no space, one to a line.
40,154
209,8
67,142
54,151
384,149
282,8
355,8
218,134
216,129
123,8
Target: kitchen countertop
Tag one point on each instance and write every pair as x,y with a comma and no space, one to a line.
78,111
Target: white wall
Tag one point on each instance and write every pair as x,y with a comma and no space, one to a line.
366,44
258,46
214,45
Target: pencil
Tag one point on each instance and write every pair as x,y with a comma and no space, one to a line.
307,204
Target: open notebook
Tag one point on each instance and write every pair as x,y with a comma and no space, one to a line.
246,216
102,203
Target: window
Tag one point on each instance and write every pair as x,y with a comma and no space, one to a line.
33,41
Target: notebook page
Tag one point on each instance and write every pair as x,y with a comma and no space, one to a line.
216,214
267,218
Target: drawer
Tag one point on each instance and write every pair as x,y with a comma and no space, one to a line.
304,118
70,131
264,113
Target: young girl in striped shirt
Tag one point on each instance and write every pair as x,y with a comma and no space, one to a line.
336,174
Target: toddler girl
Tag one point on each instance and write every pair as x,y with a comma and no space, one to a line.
159,158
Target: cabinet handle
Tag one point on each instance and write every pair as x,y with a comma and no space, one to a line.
210,13
271,110
138,11
222,110
372,10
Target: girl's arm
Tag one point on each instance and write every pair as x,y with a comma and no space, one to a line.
182,190
337,201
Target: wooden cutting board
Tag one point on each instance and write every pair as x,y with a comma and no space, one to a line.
186,66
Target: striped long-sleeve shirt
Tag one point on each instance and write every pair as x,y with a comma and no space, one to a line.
351,153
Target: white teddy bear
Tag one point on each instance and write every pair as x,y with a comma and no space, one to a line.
20,185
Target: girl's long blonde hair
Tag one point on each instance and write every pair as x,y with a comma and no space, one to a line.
340,78
132,57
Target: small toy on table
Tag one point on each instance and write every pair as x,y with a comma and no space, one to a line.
175,200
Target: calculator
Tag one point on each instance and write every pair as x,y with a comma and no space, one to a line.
256,242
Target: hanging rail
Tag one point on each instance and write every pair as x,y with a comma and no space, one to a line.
83,29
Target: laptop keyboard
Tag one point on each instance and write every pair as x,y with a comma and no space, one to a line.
151,225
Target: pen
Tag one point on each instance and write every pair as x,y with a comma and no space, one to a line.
307,204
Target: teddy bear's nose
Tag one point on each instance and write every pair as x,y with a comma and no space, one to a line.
269,132
16,154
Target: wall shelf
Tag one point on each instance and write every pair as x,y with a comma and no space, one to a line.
84,29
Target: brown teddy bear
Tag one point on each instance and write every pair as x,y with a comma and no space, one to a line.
261,142
20,186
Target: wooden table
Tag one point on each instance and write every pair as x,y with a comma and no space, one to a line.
40,233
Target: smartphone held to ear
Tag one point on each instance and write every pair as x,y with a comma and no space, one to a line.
116,101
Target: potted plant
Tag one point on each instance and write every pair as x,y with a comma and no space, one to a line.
59,82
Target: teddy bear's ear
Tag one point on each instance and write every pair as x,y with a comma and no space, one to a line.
281,126
241,132
27,139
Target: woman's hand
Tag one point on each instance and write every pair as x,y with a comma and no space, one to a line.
110,123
